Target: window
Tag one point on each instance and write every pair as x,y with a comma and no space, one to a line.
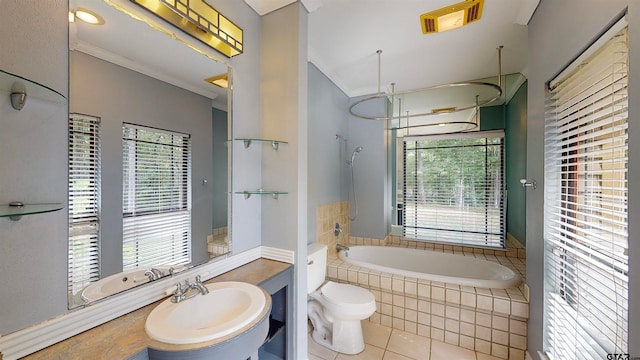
156,197
586,237
84,202
453,189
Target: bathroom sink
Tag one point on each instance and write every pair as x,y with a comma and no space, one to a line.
228,307
114,284
120,282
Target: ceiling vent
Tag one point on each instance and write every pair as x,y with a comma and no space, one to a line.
452,16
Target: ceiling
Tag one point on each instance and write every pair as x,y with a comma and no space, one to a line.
346,53
149,52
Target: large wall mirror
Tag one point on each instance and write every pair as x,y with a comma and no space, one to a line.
149,161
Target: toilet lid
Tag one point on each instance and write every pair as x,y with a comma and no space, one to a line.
346,294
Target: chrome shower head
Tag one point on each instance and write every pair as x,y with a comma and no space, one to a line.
353,154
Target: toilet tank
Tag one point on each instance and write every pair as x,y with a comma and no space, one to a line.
316,266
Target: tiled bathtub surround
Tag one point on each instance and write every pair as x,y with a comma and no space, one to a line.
489,321
326,217
217,242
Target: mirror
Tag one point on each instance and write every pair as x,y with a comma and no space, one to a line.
146,93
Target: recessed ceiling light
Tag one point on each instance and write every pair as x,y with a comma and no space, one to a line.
85,15
221,80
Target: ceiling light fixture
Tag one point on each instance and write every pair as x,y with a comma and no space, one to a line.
451,17
88,16
221,80
200,20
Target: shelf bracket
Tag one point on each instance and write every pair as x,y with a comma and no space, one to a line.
274,145
16,204
247,143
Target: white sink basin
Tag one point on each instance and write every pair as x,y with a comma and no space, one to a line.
228,307
120,282
114,284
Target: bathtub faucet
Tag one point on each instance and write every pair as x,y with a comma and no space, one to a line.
342,247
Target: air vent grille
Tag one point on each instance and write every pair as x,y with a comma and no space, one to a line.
429,25
473,13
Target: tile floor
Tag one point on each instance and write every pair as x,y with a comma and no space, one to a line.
384,343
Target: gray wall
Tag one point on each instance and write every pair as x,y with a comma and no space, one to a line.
127,96
219,182
370,172
284,87
558,31
33,165
246,111
328,109
516,163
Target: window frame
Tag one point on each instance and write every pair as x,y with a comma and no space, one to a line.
84,224
467,237
156,208
586,202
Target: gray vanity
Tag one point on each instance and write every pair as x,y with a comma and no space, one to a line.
125,337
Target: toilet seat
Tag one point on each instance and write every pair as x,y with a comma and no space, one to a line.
346,302
346,295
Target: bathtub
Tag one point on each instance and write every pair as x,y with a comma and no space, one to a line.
433,266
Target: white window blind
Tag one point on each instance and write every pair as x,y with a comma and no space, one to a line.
453,189
156,197
84,202
586,238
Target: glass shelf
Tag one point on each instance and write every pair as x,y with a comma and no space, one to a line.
274,194
274,143
10,83
16,212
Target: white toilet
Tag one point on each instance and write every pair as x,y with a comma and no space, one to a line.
335,309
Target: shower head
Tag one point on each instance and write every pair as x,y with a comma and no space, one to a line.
353,154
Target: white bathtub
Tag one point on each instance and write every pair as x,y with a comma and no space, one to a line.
432,265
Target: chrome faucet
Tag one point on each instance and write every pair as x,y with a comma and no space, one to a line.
342,247
188,290
153,274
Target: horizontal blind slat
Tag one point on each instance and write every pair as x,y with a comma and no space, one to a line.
586,235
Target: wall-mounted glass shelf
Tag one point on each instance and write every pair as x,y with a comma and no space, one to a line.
274,194
16,212
274,143
12,83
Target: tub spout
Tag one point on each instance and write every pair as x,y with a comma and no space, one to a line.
342,247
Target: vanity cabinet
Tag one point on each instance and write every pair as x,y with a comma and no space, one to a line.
279,342
273,336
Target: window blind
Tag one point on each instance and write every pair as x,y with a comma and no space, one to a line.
586,184
156,197
84,202
453,189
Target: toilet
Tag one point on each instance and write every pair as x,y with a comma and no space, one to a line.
335,310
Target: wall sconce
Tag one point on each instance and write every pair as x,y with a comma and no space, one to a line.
451,17
200,20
